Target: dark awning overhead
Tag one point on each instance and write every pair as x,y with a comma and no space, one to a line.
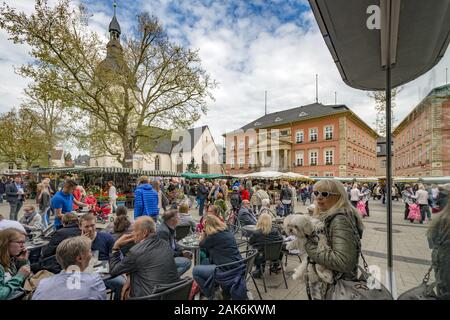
422,38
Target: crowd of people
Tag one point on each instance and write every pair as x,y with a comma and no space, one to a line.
143,253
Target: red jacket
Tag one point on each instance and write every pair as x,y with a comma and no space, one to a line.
77,195
245,195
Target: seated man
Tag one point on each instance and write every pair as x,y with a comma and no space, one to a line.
166,231
70,229
245,215
102,242
73,254
149,262
31,219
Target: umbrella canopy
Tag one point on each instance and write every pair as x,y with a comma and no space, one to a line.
353,32
190,175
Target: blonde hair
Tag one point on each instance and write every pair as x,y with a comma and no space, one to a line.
214,225
421,186
335,186
264,223
142,180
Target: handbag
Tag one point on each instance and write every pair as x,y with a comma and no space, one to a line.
424,291
361,206
414,212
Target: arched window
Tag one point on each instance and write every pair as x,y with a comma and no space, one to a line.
205,162
157,163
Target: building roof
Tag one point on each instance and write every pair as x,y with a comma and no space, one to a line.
438,92
381,140
309,111
82,159
166,145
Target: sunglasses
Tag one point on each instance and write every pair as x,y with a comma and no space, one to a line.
324,193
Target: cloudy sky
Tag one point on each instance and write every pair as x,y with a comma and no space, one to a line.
248,47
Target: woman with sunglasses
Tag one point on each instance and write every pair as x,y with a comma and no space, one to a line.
14,264
344,227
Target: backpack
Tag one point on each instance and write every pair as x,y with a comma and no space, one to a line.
235,200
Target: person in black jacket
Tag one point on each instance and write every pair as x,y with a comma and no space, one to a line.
202,194
265,232
70,229
166,231
220,247
2,188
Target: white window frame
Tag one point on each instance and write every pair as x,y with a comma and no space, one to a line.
325,129
300,155
241,162
297,133
250,142
316,134
316,152
232,163
329,174
325,156
232,146
378,149
241,144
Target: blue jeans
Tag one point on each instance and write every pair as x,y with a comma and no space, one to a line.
115,284
183,264
201,274
287,209
14,210
201,206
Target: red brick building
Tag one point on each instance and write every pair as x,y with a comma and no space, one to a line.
314,140
421,140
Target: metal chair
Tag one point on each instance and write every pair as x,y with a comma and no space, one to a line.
175,291
272,253
249,261
181,231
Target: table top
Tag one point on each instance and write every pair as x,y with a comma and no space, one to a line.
249,227
190,242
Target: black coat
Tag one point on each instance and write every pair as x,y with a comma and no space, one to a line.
168,234
69,231
221,248
258,238
11,193
2,188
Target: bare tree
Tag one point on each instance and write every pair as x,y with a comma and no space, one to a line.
149,82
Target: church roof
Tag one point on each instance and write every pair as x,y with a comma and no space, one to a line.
114,25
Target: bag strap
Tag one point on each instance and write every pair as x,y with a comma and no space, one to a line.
308,289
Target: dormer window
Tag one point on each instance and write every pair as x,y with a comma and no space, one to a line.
257,124
303,114
278,119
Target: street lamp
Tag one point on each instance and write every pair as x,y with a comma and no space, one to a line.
49,155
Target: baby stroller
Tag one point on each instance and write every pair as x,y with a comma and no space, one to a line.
103,213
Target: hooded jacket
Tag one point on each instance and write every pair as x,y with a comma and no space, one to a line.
145,201
342,254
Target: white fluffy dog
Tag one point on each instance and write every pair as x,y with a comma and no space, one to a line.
300,226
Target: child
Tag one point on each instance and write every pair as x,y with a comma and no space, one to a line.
90,201
280,209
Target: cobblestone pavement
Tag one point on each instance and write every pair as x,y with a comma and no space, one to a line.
410,248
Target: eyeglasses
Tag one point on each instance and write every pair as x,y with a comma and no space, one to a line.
19,242
324,193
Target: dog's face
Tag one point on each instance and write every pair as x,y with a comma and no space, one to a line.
298,225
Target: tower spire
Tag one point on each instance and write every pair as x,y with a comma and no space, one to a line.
115,6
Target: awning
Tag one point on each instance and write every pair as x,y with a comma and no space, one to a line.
107,170
420,36
189,175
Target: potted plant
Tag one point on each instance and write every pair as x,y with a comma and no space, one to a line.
102,200
121,199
